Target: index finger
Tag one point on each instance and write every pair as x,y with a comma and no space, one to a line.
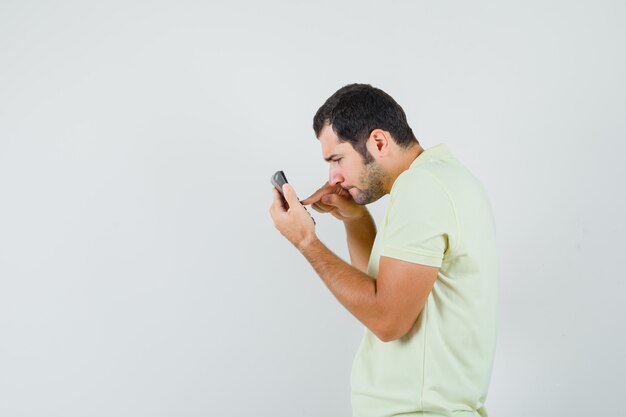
315,197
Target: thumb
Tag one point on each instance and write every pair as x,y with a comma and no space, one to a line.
290,195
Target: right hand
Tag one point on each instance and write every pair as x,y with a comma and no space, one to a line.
335,200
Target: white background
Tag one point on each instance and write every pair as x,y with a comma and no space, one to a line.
140,272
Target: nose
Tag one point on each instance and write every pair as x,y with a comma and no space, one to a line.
334,176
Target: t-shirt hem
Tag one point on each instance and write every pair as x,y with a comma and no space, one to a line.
413,257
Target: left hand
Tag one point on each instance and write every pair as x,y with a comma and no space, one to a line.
295,222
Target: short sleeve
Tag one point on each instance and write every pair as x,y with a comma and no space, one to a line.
420,218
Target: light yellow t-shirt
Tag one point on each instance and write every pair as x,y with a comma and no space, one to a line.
438,215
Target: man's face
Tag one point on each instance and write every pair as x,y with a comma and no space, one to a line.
363,181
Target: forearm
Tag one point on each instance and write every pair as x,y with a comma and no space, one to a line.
354,289
360,235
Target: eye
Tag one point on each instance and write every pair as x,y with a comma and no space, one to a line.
337,160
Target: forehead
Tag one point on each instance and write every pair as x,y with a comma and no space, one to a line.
330,142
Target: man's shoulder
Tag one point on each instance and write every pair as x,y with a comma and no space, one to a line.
446,172
417,180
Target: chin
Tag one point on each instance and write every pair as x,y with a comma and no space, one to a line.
362,198
357,195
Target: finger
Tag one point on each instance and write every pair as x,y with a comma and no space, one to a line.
336,201
321,208
290,195
316,195
278,202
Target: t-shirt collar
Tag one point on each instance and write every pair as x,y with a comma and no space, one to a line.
434,152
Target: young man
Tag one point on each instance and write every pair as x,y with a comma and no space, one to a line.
425,284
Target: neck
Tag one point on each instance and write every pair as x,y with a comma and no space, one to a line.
405,159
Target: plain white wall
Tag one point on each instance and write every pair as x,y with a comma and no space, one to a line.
140,273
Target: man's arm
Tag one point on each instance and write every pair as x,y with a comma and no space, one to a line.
388,306
360,233
360,227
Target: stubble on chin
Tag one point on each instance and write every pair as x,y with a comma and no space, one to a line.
374,177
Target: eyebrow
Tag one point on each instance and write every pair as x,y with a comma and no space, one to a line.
330,157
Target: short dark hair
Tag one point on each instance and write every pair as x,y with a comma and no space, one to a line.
355,110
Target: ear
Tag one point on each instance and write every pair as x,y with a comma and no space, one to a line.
379,142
